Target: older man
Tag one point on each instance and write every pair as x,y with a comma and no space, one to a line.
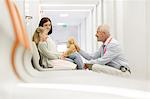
109,54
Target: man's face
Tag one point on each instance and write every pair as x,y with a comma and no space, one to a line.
99,35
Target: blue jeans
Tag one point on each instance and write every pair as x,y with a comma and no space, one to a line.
75,58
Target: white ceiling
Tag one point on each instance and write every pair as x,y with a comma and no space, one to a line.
73,18
77,10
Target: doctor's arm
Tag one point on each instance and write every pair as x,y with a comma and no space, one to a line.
88,56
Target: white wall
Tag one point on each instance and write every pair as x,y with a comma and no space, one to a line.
94,27
34,11
135,37
29,8
62,33
91,27
148,34
127,20
119,15
109,15
83,34
89,34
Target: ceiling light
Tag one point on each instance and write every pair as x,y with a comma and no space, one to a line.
61,23
86,10
63,15
76,5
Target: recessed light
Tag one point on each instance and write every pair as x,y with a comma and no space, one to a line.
63,15
61,23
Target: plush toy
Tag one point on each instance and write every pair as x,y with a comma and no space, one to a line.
71,47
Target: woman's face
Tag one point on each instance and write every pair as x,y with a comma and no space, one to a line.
47,25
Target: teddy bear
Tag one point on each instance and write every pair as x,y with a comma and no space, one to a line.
71,47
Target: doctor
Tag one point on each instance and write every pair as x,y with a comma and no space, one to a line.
109,54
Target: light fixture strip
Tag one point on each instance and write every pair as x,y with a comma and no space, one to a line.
67,5
67,10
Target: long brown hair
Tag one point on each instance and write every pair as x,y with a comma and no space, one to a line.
44,20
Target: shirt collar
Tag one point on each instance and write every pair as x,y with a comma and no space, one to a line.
108,41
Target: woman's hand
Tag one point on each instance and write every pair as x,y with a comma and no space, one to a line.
62,56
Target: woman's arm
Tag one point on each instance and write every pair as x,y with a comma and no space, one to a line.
42,46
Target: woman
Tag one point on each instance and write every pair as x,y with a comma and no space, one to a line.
51,46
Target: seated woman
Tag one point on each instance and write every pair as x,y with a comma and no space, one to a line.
40,38
47,24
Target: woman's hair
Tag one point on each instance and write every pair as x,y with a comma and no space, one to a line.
36,37
44,20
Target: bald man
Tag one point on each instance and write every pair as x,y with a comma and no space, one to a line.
109,54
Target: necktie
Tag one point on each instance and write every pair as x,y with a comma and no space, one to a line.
102,50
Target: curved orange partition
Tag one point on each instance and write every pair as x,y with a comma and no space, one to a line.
19,32
24,32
